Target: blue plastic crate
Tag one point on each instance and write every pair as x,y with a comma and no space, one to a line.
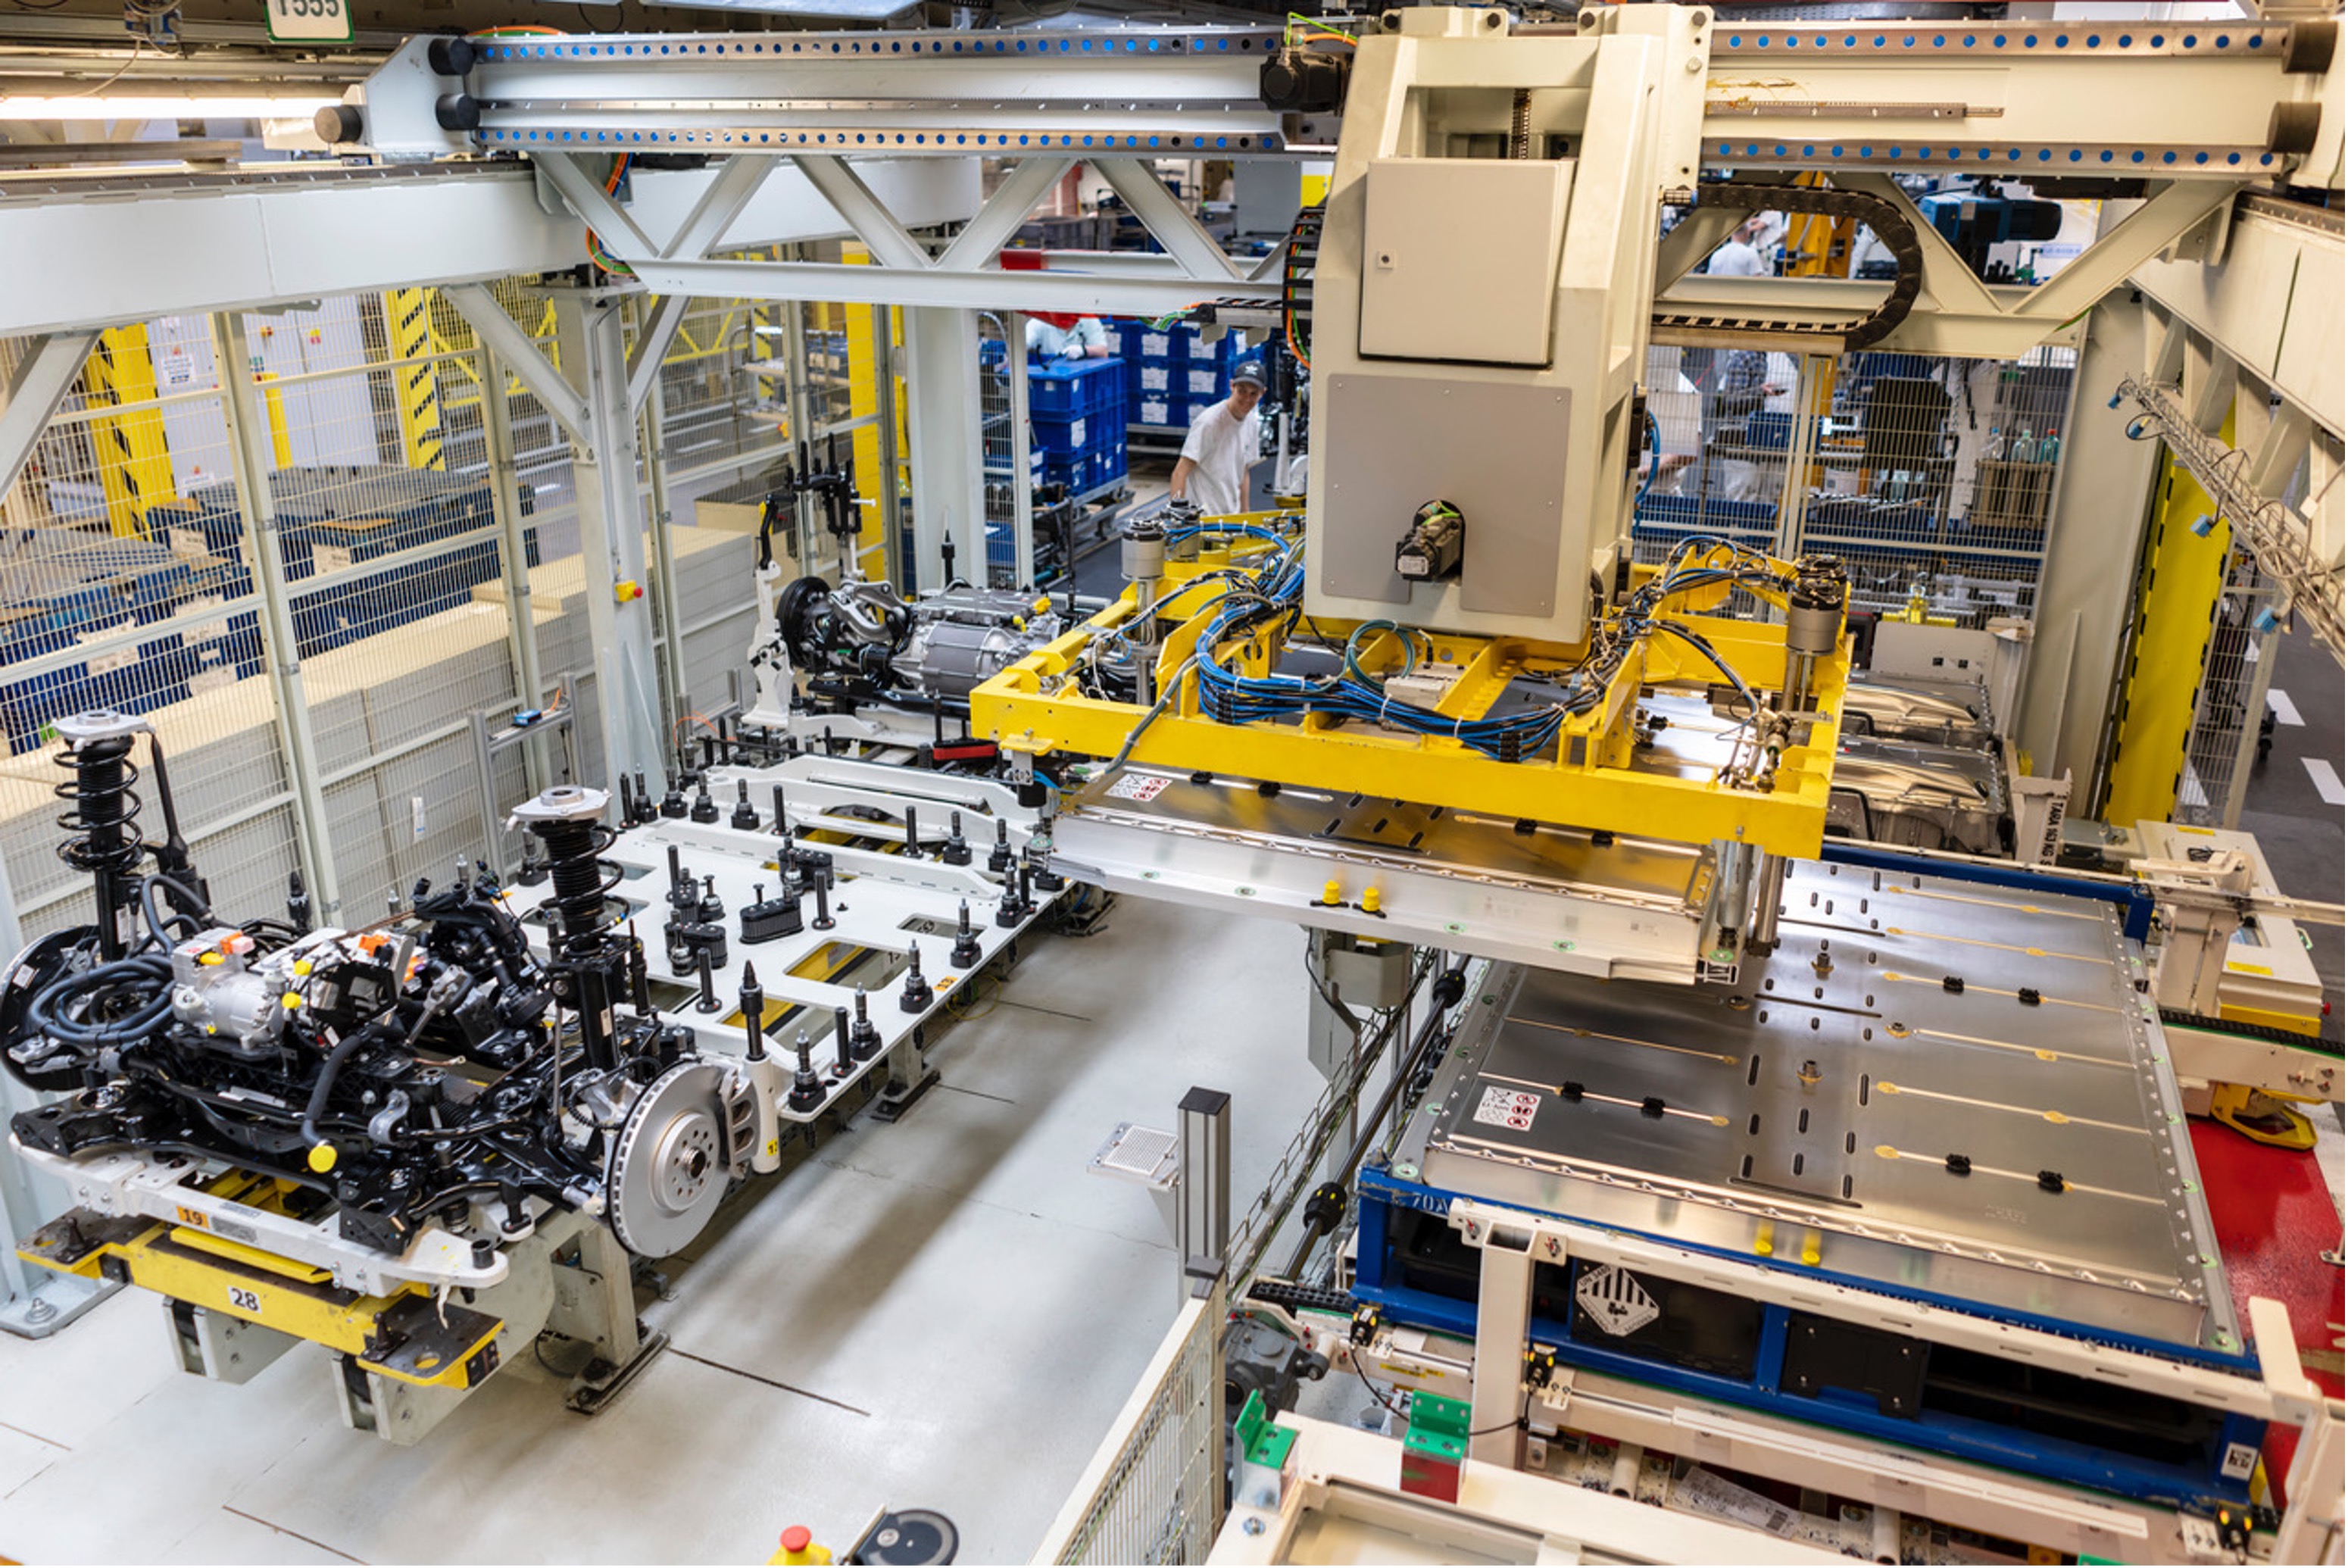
1771,432
1203,382
1067,390
1194,349
1063,436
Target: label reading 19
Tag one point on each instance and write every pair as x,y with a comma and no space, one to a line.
308,21
240,1300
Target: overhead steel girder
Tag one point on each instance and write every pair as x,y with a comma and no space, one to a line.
964,277
250,239
563,402
1086,294
1956,312
1190,91
2191,100
2016,99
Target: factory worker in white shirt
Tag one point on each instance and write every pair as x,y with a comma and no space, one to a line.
1224,441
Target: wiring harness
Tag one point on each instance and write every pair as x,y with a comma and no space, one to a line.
1269,600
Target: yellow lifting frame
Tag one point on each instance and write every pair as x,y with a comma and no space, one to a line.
1034,706
192,1264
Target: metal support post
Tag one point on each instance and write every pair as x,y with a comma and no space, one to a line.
798,426
1023,484
1794,491
885,482
949,489
1768,898
1202,1180
664,597
1023,490
611,537
505,501
2088,590
1504,1308
252,461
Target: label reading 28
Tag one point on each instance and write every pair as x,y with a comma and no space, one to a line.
240,1300
307,20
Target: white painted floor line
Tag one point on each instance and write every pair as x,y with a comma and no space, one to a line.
2285,710
2327,780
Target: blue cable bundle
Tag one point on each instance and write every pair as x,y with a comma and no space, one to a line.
1275,592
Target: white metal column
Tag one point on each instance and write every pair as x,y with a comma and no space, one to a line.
505,501
941,411
254,462
1022,488
1504,1306
2102,496
611,537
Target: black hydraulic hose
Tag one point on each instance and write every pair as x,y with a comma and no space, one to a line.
195,908
42,1013
443,992
331,1070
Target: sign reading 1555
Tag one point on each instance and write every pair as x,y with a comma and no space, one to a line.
308,21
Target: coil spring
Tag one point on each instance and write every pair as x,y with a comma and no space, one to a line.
580,881
103,820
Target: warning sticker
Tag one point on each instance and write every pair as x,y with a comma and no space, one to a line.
1701,1491
1507,1108
1615,1300
1139,786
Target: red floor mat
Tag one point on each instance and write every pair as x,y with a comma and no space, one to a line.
2274,1220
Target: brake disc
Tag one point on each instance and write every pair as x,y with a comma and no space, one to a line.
668,1170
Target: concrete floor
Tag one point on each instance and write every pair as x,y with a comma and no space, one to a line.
945,1312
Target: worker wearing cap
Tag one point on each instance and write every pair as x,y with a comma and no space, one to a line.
1224,442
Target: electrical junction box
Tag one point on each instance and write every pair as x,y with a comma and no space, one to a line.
1426,685
1460,258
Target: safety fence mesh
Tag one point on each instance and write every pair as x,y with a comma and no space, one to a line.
1154,1490
1933,478
2229,704
325,667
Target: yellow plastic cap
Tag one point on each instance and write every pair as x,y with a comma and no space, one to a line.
1369,901
210,959
291,999
1332,892
322,1157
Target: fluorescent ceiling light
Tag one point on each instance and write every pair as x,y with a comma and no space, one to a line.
831,10
134,107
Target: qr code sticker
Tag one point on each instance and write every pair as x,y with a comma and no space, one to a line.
1139,786
1507,1108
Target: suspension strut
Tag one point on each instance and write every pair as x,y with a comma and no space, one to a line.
102,818
591,962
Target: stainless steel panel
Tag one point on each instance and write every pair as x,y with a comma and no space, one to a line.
1461,881
1809,1112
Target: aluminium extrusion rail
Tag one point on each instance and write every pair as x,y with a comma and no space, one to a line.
2191,100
